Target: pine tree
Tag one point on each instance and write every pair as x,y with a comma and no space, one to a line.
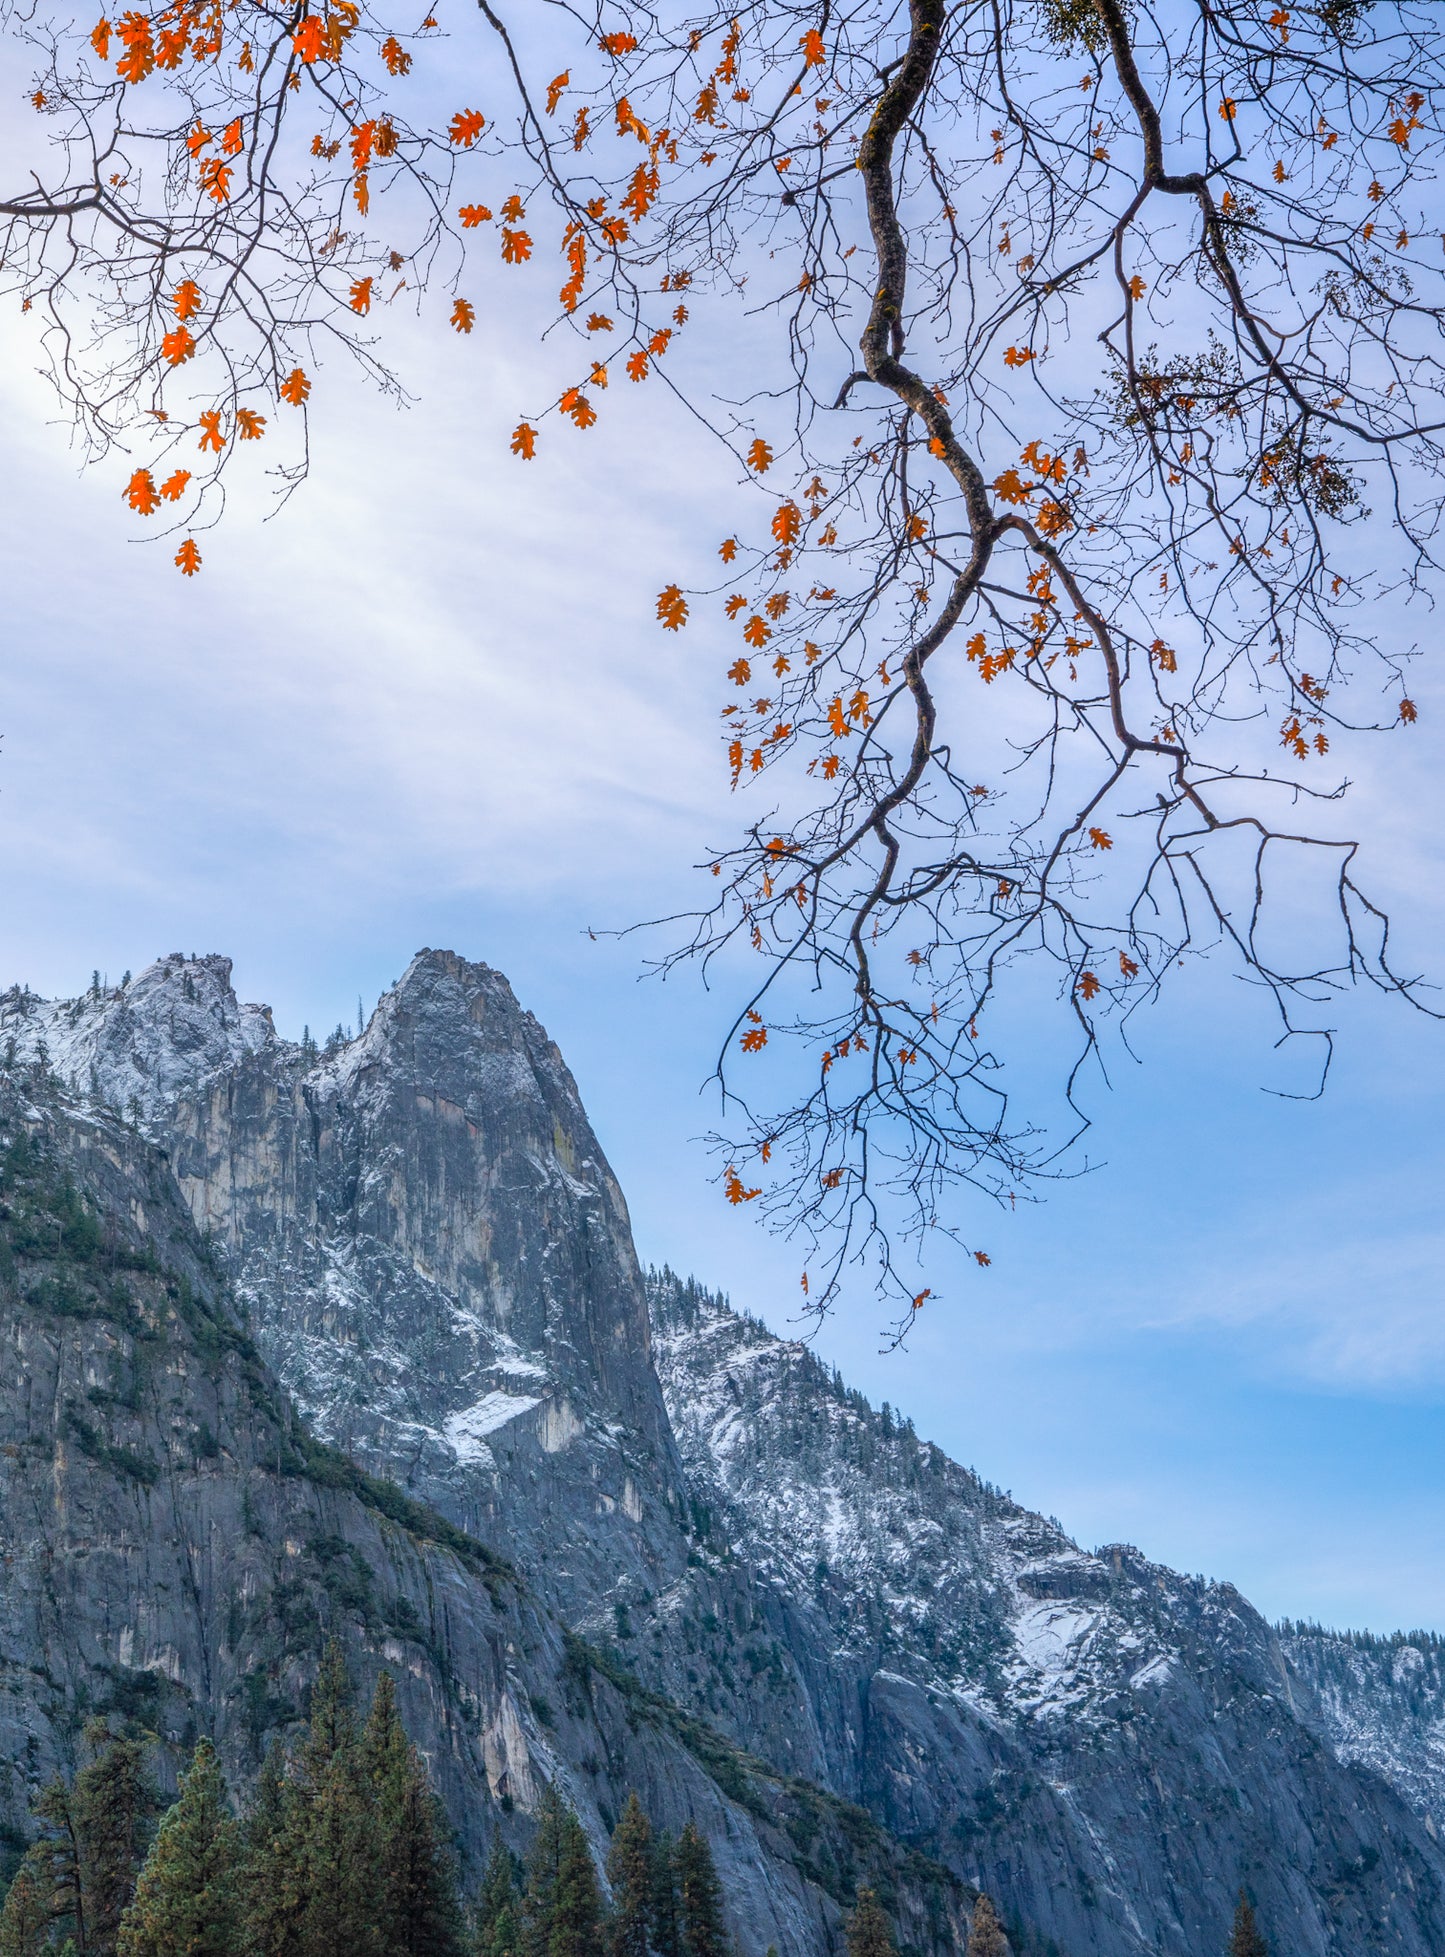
185,1902
576,1929
868,1931
1245,1939
25,1919
56,1859
703,1931
629,1872
418,1915
986,1937
112,1804
499,1921
539,1901
270,1876
337,1842
664,1925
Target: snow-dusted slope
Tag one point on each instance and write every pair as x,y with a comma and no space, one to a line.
438,1264
1383,1701
1113,1747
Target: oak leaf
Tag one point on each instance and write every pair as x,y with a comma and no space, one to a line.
618,44
464,316
397,60
672,608
1101,839
360,298
760,456
188,558
250,426
211,436
466,126
524,441
516,247
472,215
1088,985
177,345
1017,356
174,486
555,88
295,388
814,53
310,40
140,493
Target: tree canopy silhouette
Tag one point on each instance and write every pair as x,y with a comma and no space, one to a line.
1083,340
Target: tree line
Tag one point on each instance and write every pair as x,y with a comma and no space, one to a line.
345,1851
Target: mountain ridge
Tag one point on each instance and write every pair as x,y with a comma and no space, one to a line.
436,1260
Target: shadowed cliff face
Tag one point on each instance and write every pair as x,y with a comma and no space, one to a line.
176,1548
436,1261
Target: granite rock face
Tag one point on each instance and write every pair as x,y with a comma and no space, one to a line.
858,1653
177,1547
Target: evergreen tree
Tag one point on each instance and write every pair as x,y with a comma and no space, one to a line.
25,1919
499,1921
418,1914
185,1902
986,1937
56,1859
577,1927
539,1900
112,1804
629,1872
664,1925
868,1931
703,1931
1245,1939
270,1875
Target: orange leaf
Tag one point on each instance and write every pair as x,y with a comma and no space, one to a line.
787,523
1088,984
360,300
727,550
754,1039
295,388
814,53
672,609
598,323
174,487
466,126
555,88
397,60
740,672
575,403
100,38
1409,711
250,426
177,346
760,456
309,40
216,180
140,493
472,215
189,558
186,299
1137,287
1127,966
637,365
617,44
1101,839
516,247
756,632
1017,356
232,140
464,316
1227,108
982,1257
211,436
734,1191
524,441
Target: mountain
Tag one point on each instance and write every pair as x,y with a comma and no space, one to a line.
1383,1702
724,1576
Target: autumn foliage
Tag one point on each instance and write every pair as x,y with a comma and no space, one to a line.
1080,341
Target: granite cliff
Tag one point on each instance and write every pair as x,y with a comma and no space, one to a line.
665,1546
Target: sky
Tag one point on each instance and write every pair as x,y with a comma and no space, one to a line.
427,704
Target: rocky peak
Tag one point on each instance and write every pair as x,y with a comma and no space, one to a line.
139,1047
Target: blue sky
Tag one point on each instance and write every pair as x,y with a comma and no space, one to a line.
427,705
